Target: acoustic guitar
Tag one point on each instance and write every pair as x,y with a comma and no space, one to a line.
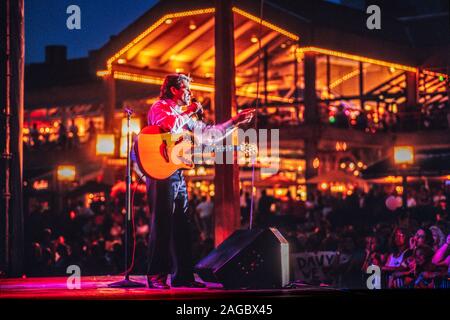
159,154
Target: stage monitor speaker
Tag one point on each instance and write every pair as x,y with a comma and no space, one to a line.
257,258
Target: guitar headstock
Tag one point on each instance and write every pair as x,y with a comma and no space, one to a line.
249,149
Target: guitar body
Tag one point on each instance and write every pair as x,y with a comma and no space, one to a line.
159,154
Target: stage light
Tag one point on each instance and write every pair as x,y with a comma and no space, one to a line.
105,145
254,39
168,21
66,173
192,25
403,155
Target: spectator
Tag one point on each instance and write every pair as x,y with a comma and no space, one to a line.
92,131
264,205
361,121
442,255
62,135
423,237
425,271
438,237
395,260
244,203
34,136
341,118
74,139
373,254
205,211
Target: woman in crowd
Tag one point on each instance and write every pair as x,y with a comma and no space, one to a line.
442,255
425,272
423,237
395,260
438,237
373,254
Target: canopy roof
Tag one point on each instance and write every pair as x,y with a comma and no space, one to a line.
176,36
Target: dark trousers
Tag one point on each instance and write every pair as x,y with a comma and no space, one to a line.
170,246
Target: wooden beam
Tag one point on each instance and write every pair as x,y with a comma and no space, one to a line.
110,102
152,36
186,41
271,47
244,55
209,53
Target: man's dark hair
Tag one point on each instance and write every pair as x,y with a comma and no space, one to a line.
172,80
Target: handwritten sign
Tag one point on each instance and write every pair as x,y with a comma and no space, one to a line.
311,267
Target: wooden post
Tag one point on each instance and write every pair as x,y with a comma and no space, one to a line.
328,79
11,95
297,105
266,74
311,113
361,85
412,98
310,96
411,90
110,102
226,179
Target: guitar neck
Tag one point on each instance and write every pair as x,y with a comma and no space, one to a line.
226,148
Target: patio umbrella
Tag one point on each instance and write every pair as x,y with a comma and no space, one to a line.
277,180
337,176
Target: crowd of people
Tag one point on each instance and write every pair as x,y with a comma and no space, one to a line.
344,116
411,246
63,136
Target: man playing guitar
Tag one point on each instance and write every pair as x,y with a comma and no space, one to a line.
170,247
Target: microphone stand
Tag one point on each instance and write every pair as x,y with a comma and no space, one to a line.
126,282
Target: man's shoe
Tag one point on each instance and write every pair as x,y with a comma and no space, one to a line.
157,283
189,284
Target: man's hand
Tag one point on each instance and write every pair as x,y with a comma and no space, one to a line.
194,107
243,117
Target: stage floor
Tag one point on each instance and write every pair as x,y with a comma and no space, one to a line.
96,287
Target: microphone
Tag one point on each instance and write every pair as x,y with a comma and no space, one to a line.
128,110
199,111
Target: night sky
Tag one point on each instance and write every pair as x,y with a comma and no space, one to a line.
45,24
